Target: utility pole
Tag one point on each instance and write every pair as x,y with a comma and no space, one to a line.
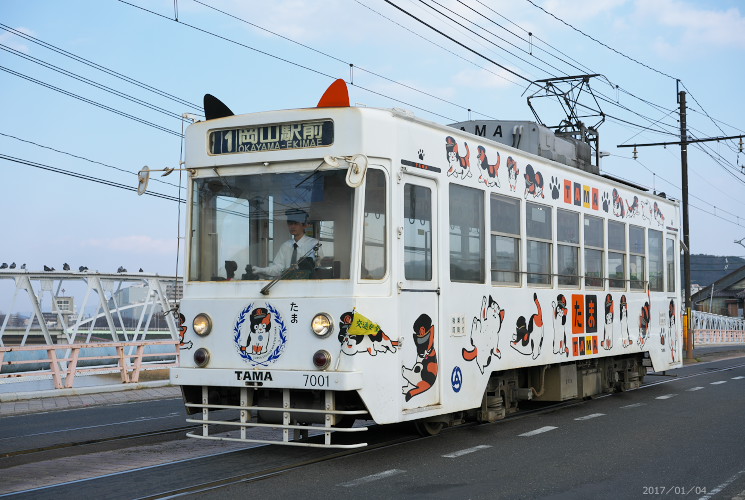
684,142
687,330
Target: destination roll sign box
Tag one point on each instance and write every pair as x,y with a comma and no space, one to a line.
277,137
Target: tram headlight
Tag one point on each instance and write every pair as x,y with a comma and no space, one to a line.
201,357
322,359
322,325
202,324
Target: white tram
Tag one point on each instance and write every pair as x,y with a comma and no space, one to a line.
439,276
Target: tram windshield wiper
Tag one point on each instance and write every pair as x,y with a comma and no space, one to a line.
299,265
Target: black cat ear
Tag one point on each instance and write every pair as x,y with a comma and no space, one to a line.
215,108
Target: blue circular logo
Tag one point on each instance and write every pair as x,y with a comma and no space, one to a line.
263,339
456,379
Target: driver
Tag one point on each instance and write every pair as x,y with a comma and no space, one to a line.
292,250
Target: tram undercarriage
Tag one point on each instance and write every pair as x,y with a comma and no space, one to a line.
299,413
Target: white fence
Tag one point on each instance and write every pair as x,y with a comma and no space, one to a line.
58,325
711,328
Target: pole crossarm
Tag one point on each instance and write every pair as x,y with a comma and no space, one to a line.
680,143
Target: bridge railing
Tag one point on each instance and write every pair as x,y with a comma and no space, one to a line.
64,361
711,328
124,323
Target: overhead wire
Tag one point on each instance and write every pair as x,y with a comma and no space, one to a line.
481,55
432,42
633,60
99,67
582,67
330,56
302,66
90,101
703,110
599,42
579,66
98,180
479,35
679,189
362,69
91,82
505,68
326,54
84,158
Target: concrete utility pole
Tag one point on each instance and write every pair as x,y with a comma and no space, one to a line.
684,141
687,330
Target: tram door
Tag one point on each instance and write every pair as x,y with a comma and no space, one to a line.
418,288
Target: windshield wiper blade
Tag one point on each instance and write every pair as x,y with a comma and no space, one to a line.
293,267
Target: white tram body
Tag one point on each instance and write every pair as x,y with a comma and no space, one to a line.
455,276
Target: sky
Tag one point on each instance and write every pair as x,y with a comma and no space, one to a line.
65,120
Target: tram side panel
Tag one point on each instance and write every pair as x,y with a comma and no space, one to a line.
484,328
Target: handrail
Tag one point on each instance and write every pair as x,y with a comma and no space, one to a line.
66,365
716,329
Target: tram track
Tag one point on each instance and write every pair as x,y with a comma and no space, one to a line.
324,456
328,455
259,475
97,441
265,461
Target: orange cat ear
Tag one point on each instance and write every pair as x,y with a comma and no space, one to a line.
336,96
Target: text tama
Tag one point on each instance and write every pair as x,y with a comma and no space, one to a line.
253,376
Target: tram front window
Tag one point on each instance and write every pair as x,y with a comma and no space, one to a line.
250,227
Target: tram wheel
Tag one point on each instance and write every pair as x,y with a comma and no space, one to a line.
428,428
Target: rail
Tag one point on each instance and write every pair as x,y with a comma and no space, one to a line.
711,328
64,361
60,324
128,306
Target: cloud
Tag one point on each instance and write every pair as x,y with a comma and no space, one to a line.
300,20
693,28
483,79
14,41
135,244
577,11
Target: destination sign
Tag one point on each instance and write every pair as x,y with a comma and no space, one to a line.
272,137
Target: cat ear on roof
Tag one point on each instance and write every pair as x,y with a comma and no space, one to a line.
336,96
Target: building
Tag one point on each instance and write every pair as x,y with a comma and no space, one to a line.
724,297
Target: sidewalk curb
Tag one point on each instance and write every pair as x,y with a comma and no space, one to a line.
81,391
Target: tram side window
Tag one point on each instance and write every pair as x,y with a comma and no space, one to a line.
594,236
655,261
538,231
374,227
505,239
617,254
567,250
670,255
417,233
637,249
466,234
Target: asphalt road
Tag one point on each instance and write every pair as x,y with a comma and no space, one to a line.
56,428
681,437
676,437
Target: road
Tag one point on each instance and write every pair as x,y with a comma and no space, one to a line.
680,437
676,437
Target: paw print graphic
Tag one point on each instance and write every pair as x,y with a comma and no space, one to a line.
421,154
554,186
606,202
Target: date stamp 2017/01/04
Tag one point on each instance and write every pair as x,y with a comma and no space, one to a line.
674,490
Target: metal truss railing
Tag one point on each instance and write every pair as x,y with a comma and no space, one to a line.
715,329
122,323
64,362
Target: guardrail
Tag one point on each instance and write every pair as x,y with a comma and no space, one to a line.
128,307
711,328
64,361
